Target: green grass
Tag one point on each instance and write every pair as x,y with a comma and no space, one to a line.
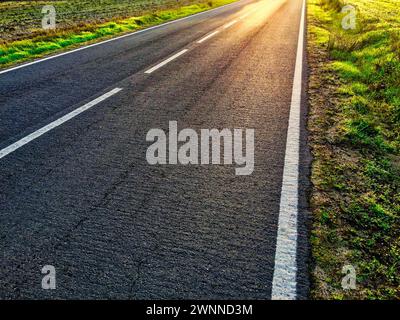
39,44
355,140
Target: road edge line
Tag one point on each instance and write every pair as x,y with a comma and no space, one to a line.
284,283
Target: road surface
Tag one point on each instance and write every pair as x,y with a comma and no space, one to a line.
82,197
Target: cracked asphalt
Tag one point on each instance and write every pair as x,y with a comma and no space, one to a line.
83,198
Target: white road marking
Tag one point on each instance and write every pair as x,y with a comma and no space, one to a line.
4,152
230,24
163,63
245,15
116,38
284,284
208,36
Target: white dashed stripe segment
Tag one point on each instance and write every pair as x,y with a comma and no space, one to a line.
163,63
230,24
6,151
208,36
284,284
246,15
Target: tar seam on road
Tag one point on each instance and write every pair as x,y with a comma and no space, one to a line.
116,38
163,63
34,135
284,285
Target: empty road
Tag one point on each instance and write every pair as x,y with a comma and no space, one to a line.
77,192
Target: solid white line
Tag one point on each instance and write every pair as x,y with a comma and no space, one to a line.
208,36
284,280
163,63
116,38
4,152
230,24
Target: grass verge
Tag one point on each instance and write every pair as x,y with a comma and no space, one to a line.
354,124
14,52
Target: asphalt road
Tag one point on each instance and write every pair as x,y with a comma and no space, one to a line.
83,198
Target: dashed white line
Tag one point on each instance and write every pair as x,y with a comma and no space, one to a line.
212,34
245,15
117,38
208,36
230,24
34,135
163,63
284,284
